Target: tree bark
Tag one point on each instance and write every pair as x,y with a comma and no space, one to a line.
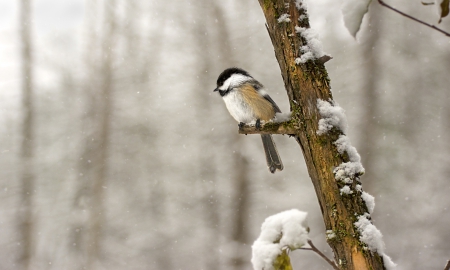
305,84
25,214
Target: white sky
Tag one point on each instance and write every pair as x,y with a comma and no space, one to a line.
48,15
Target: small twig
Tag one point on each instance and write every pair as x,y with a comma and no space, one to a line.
412,18
313,248
324,59
447,267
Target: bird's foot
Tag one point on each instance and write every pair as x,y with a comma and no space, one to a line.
258,124
241,125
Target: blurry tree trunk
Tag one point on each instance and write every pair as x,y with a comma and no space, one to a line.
143,53
82,200
131,30
241,196
97,213
370,126
320,153
25,213
89,224
207,170
239,230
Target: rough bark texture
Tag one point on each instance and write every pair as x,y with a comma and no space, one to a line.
305,83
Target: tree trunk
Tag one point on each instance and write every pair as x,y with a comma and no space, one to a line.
25,214
82,198
97,213
305,84
208,172
241,198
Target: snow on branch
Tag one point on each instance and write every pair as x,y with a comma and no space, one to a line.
332,116
344,145
313,49
369,200
284,18
353,12
287,229
347,172
372,237
300,4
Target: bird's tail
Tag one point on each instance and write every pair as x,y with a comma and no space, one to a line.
273,159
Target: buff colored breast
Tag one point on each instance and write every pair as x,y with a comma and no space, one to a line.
263,109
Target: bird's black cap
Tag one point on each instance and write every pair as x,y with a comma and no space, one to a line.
228,72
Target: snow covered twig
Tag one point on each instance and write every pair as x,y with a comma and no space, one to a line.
280,233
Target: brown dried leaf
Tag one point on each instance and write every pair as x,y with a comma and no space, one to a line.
445,8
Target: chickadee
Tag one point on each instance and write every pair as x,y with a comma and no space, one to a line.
247,102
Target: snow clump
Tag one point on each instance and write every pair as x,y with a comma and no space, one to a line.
333,116
347,171
313,48
330,234
300,4
284,18
369,200
372,237
346,190
343,144
282,117
285,229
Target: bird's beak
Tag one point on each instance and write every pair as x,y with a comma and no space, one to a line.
215,90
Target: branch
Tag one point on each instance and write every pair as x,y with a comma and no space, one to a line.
412,18
307,83
447,267
270,128
313,248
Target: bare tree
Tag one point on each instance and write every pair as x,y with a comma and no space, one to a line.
97,212
240,227
340,212
89,230
25,213
79,232
207,171
239,234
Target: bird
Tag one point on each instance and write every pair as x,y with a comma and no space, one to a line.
248,102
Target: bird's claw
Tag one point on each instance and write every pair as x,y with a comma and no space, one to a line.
258,124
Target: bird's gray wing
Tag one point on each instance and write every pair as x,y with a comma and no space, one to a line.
258,87
275,106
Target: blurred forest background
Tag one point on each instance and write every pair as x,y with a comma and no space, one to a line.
116,154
